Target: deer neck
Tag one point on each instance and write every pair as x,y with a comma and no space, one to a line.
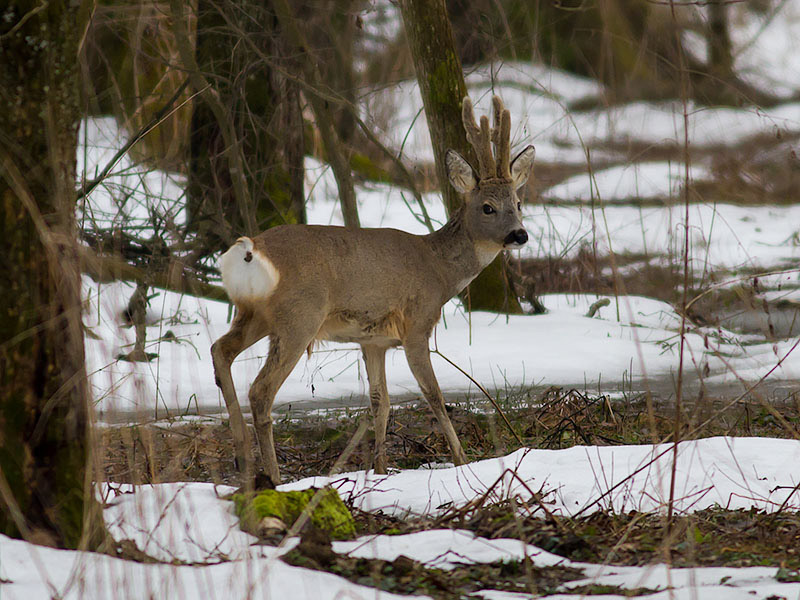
461,257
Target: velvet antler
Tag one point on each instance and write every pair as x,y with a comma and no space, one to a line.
482,137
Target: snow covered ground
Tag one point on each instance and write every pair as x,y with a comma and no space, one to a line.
629,340
562,347
190,527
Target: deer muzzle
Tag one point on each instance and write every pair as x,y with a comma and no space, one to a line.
516,239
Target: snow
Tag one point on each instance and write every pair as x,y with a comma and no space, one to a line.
561,347
185,521
561,134
37,572
643,181
727,472
191,527
445,549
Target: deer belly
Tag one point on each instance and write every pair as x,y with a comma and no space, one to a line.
347,327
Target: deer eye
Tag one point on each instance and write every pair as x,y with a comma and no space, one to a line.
488,209
519,205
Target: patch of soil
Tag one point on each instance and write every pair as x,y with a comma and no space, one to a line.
711,537
406,576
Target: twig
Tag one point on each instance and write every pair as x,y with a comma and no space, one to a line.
485,393
685,291
162,114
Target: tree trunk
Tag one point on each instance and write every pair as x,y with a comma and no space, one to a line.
263,113
442,86
337,154
46,492
720,53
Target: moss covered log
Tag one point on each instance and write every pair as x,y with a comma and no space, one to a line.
330,514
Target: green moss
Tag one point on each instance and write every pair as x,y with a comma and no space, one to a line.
488,291
330,514
366,168
444,83
275,206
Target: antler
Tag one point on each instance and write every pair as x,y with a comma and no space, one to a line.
501,137
481,138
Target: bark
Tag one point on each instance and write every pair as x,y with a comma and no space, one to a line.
720,52
442,86
253,113
45,480
337,154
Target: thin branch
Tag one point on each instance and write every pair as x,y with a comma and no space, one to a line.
685,291
485,393
210,95
335,150
24,19
163,113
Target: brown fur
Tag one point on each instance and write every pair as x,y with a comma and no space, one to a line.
379,288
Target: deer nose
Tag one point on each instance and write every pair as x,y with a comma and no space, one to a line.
517,237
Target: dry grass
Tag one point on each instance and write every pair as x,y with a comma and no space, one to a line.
552,418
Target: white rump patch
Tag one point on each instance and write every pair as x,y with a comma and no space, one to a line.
246,273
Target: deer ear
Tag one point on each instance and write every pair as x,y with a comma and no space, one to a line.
521,166
459,172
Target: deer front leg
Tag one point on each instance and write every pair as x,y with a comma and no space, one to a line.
419,360
374,358
284,353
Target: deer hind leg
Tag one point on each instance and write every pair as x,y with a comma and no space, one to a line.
419,360
245,331
374,358
286,347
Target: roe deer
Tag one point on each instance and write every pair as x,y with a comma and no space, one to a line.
380,288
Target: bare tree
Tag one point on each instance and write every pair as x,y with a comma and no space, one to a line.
441,83
336,153
45,483
247,142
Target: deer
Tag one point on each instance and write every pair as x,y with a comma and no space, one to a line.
380,288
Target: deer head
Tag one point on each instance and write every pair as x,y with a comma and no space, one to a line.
381,288
492,206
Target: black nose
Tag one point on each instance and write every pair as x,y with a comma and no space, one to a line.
520,236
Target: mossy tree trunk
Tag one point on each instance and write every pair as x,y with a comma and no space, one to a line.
45,483
441,83
264,111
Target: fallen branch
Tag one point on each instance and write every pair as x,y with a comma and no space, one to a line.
105,269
